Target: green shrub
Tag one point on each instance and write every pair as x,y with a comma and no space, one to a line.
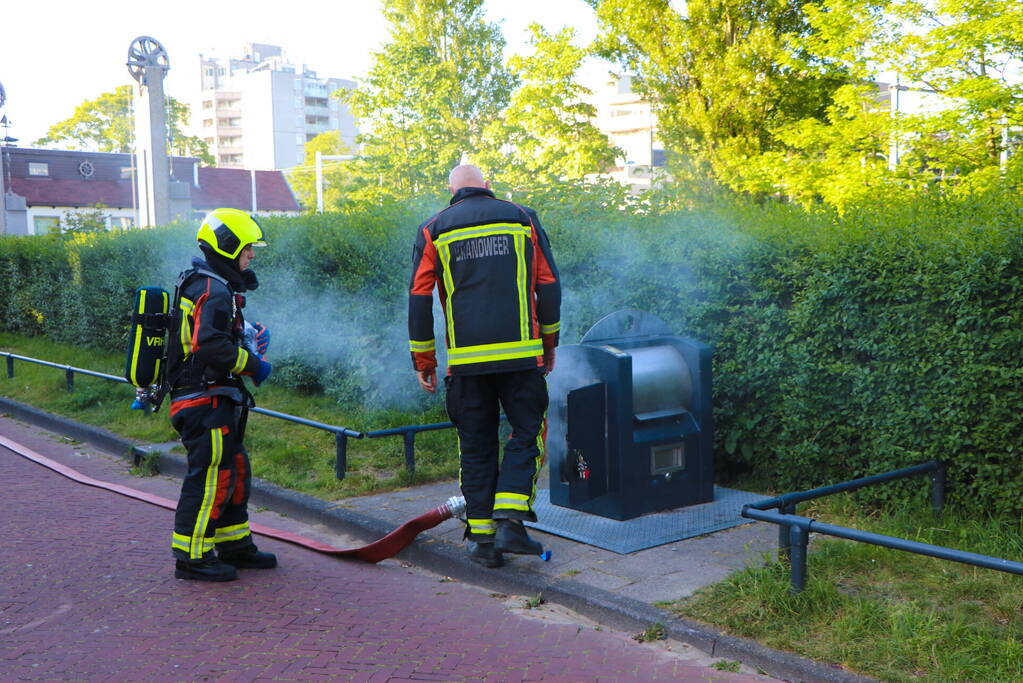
843,346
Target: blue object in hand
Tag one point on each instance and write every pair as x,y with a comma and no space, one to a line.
262,372
138,405
262,338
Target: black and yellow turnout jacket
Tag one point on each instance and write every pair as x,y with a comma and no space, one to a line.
499,287
206,345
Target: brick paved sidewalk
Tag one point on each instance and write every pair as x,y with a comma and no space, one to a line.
87,594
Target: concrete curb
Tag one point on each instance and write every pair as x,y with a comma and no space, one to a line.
447,559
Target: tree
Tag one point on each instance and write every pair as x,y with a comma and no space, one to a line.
545,135
428,96
721,77
105,124
967,54
82,221
337,175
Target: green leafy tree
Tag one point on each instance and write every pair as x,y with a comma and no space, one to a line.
429,95
337,175
84,221
105,124
545,135
970,52
967,54
721,77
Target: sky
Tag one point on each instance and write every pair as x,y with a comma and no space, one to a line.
54,54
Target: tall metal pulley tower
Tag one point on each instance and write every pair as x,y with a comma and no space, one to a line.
148,64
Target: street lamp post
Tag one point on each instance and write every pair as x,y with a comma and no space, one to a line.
319,174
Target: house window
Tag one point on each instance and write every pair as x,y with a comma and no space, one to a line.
38,168
45,225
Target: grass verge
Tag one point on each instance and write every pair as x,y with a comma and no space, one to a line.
885,613
290,455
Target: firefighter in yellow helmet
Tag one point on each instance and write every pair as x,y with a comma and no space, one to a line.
210,349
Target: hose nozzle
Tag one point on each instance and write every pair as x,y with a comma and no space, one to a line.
456,504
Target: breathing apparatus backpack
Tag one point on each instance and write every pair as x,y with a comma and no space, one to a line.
152,318
145,366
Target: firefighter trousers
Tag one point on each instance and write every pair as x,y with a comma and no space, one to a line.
493,489
212,510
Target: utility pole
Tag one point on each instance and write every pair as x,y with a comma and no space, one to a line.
3,172
893,148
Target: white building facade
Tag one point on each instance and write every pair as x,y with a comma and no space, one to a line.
631,125
259,111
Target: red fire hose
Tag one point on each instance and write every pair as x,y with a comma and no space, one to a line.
388,546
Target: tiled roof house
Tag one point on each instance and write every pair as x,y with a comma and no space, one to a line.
40,186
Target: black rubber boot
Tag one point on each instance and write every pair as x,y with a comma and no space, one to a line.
511,537
249,558
208,569
485,554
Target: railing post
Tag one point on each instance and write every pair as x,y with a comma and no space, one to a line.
938,488
784,543
69,375
341,459
798,540
10,367
410,451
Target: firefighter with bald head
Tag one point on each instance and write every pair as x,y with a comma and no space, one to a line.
491,263
207,358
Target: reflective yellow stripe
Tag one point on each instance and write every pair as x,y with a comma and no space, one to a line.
511,501
186,307
550,329
494,352
483,231
482,526
184,543
443,243
209,494
235,532
422,345
444,252
138,341
243,359
520,284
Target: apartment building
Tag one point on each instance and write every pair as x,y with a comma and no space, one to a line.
630,123
258,110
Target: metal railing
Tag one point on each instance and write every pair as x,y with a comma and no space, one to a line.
408,435
794,530
341,434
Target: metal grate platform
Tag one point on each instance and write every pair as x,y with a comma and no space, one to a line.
647,531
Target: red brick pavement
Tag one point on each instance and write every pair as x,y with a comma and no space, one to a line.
87,594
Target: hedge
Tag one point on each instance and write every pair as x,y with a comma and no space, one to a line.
843,345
